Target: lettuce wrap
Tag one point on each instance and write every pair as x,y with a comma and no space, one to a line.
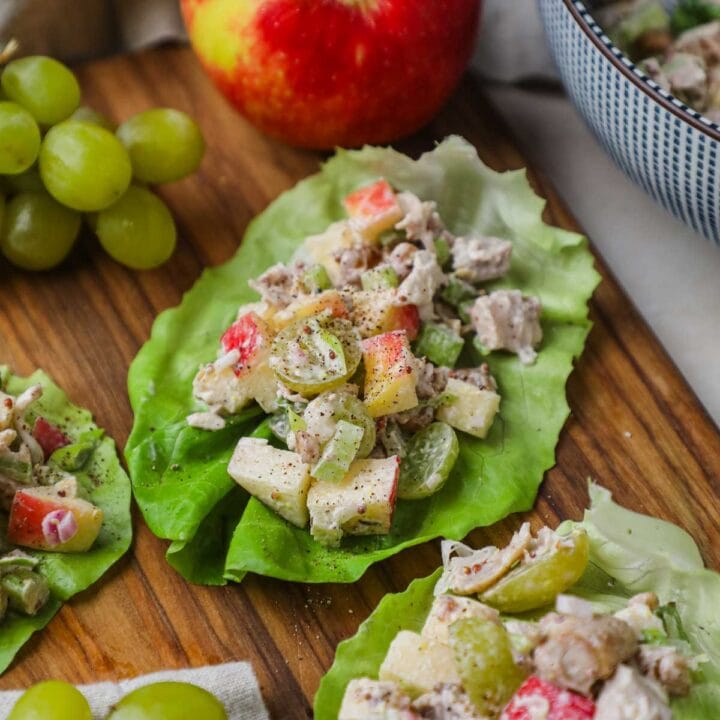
179,474
630,553
106,485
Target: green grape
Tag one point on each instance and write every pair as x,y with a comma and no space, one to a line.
164,145
19,139
37,232
43,86
168,701
316,354
84,166
51,700
536,582
88,115
430,456
138,230
483,657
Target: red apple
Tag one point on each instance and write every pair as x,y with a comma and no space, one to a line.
323,73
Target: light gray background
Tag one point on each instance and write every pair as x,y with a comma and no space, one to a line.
671,273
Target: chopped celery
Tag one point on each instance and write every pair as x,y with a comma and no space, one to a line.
688,14
26,591
17,559
15,469
316,279
339,453
439,344
442,251
379,278
479,346
464,311
457,291
647,17
74,457
295,421
653,636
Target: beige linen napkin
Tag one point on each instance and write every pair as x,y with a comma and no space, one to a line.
234,684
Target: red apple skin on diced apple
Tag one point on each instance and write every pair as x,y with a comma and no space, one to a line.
407,318
337,72
372,200
50,437
31,506
250,335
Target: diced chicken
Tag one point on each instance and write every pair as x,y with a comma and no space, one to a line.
687,77
478,571
421,221
508,320
7,410
432,380
400,259
576,651
424,280
477,259
217,385
639,614
307,447
418,664
207,420
447,701
630,696
354,261
280,284
367,699
667,665
703,41
446,609
480,377
7,438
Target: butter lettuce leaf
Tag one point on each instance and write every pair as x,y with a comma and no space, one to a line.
629,553
107,486
491,479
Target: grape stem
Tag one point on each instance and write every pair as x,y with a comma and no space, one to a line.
11,47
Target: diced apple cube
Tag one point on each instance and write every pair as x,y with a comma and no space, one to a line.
468,408
54,519
391,374
309,305
361,504
242,374
446,609
376,312
367,699
276,477
374,209
418,664
322,248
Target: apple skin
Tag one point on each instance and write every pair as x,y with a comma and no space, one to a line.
321,74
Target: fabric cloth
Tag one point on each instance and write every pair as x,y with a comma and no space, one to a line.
234,684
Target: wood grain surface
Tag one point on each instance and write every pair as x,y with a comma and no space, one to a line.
635,427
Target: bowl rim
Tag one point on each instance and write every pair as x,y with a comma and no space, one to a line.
630,70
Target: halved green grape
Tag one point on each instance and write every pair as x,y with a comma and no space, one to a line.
43,86
484,660
51,700
430,456
316,278
536,582
19,139
169,701
84,166
324,413
88,115
316,354
164,145
37,232
339,453
138,230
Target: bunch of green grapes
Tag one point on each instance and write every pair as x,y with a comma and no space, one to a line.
55,700
59,160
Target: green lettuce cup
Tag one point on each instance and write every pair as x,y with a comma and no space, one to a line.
106,485
179,473
630,554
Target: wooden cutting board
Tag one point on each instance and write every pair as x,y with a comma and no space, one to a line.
636,427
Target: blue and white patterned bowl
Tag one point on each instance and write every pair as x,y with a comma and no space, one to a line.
668,148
